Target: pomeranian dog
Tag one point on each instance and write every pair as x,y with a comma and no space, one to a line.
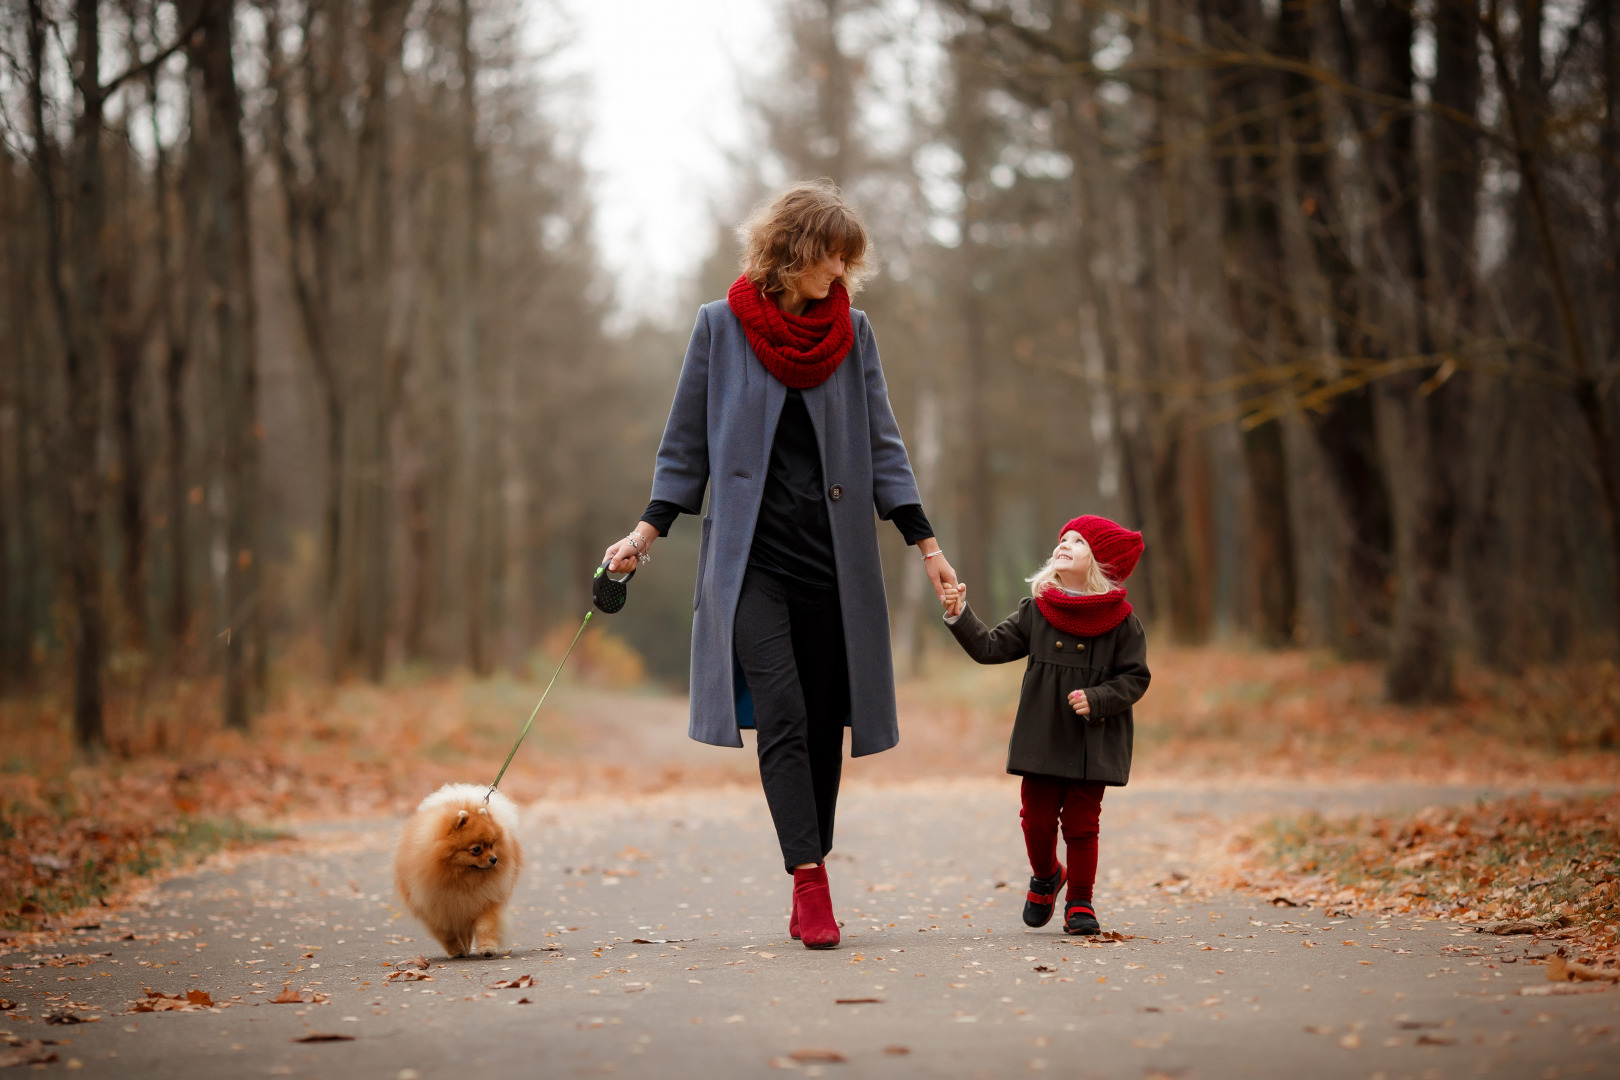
457,866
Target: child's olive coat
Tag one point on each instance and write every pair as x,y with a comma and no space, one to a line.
1049,738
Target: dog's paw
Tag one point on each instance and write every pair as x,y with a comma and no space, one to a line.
487,950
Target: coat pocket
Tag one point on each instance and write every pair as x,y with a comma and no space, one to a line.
703,563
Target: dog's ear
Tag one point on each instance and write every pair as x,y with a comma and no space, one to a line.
461,819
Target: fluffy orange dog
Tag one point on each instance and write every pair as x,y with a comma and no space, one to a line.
457,865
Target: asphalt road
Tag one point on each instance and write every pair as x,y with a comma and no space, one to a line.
937,975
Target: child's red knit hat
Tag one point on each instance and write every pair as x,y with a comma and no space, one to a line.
1115,547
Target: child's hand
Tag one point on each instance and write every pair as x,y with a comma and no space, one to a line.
1080,703
955,599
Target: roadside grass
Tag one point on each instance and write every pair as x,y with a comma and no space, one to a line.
1551,861
71,843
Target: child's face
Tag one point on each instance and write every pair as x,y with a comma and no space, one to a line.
1072,556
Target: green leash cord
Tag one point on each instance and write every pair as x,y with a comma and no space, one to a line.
542,701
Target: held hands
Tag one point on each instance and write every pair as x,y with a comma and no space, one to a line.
940,573
954,597
1080,703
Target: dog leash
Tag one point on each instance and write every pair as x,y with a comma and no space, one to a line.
607,593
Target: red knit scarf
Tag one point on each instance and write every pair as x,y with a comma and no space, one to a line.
1083,616
800,350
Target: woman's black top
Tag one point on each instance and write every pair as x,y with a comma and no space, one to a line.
793,535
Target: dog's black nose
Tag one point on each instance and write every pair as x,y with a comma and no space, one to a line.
493,859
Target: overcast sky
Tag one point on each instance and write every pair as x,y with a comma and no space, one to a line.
663,91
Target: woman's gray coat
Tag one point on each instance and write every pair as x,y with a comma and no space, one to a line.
720,429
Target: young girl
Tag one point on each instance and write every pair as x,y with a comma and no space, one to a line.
1072,738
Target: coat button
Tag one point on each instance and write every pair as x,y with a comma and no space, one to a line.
1081,647
1060,644
835,492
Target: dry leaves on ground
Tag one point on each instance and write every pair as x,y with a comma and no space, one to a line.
157,1001
522,982
1545,866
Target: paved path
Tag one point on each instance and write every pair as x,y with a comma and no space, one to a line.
937,975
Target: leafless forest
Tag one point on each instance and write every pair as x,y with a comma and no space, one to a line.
306,368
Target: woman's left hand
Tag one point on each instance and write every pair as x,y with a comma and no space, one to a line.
1080,703
939,570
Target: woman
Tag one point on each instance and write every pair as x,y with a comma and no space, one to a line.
782,412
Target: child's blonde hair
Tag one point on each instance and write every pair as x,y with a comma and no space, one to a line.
1096,581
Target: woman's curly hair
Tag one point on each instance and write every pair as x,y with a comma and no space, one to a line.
797,228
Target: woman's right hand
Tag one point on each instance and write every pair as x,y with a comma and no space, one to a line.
625,556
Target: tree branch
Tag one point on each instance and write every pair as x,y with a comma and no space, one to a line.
139,70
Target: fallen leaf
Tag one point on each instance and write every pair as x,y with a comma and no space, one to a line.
419,961
1350,1041
288,996
659,940
1318,1029
523,1001
857,1001
1436,1040
783,1063
766,955
407,975
1560,989
1512,926
1561,970
831,1057
7,1006
68,1016
323,1036
199,997
897,1051
26,1053
522,982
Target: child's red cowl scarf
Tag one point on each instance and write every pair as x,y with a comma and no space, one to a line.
1083,616
800,350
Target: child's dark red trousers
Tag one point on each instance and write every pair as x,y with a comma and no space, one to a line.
1076,805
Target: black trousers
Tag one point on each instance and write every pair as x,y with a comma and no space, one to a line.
790,642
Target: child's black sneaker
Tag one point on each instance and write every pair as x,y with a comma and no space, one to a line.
1081,919
1041,900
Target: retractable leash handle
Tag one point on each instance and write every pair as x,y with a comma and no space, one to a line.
609,594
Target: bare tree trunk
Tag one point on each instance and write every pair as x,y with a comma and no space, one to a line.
230,271
1587,396
176,339
79,323
370,536
478,439
977,494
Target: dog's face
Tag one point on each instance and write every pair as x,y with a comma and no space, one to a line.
472,841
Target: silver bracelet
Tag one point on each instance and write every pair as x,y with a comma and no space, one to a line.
636,541
931,554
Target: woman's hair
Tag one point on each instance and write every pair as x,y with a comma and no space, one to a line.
1096,581
797,228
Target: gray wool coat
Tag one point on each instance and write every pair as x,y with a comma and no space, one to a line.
719,436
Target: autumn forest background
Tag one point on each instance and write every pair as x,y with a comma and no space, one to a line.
316,411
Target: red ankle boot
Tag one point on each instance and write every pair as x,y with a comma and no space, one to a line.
793,920
813,902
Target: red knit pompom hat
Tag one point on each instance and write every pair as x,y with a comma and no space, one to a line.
1115,547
